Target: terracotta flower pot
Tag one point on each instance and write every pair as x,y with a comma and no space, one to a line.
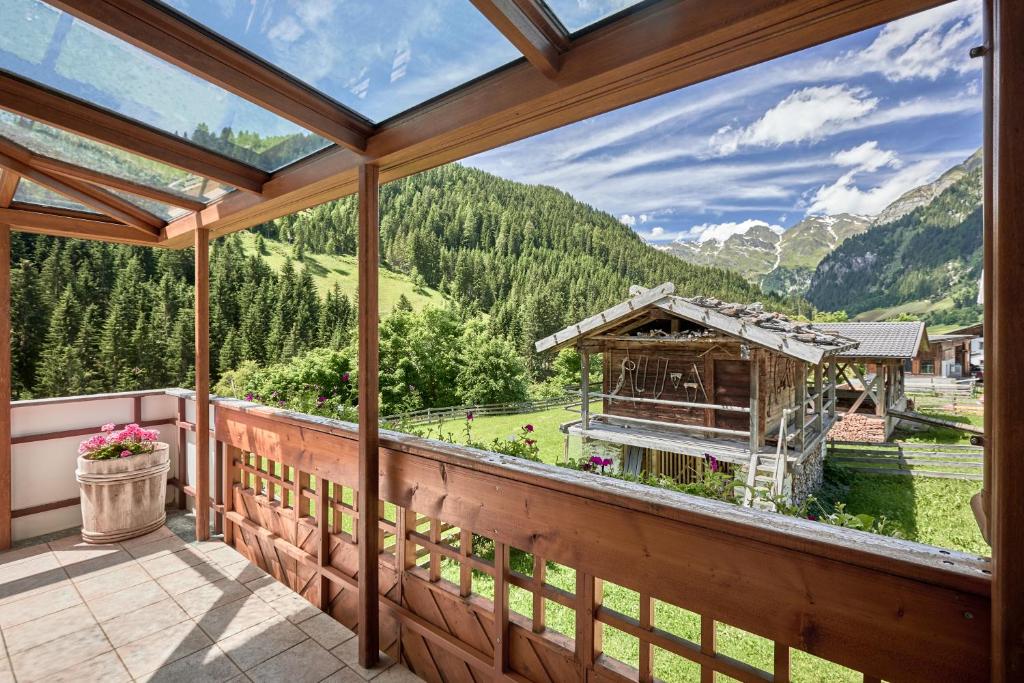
124,497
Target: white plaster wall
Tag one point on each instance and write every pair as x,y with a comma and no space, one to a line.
44,471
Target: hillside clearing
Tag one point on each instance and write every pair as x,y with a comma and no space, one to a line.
328,270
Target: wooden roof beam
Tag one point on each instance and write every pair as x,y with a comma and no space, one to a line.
531,29
662,47
31,100
61,225
8,186
68,170
164,33
17,159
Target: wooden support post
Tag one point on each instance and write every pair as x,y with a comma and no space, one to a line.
589,596
646,649
323,546
707,647
182,455
801,406
218,486
228,479
539,577
585,388
819,397
369,369
501,625
882,392
202,320
782,663
5,387
755,403
1005,361
465,570
832,380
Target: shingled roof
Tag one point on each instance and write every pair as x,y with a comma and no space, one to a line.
899,340
750,322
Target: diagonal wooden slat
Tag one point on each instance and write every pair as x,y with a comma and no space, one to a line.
534,41
36,102
68,170
61,225
18,160
8,186
175,39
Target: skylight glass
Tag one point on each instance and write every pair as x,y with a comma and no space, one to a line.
378,57
578,14
158,209
59,144
51,47
32,193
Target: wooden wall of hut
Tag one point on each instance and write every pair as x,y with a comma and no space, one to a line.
778,386
694,373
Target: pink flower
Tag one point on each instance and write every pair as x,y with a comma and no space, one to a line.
530,442
109,427
344,377
126,453
249,396
528,428
469,415
596,460
606,462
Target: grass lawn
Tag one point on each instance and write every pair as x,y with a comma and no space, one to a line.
328,270
486,428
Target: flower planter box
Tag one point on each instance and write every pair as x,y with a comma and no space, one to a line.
123,497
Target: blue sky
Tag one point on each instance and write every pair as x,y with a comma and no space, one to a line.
843,127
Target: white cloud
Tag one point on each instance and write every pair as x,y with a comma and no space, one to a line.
924,45
808,114
866,157
657,231
844,196
627,219
644,218
720,232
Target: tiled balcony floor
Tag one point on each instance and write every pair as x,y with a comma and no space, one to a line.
157,608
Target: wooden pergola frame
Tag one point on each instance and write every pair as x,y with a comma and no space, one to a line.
658,46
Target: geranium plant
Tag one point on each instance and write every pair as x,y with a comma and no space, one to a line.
119,443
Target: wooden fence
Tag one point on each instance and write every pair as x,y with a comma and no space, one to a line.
902,458
479,410
887,608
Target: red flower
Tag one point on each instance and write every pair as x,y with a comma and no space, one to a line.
469,415
530,442
528,428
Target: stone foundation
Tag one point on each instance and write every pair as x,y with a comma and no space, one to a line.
808,476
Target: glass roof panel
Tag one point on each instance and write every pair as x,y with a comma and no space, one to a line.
378,57
159,209
75,149
578,14
33,193
51,47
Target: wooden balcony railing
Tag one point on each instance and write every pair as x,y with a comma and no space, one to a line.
885,608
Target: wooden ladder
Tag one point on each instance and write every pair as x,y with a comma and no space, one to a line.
766,471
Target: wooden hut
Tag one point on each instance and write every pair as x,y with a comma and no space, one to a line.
691,379
872,375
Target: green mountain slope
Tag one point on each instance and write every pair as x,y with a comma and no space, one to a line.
531,256
931,253
329,270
